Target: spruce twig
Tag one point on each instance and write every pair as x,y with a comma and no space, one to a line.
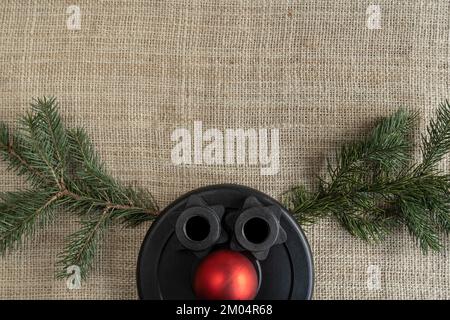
64,171
374,186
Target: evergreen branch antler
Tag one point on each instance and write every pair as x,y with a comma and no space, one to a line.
373,186
63,170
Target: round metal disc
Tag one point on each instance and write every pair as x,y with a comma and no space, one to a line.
165,269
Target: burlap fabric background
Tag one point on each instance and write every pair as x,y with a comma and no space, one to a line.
137,70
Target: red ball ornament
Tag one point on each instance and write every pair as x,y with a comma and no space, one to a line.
226,275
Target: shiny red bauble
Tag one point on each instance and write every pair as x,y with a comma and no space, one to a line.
226,275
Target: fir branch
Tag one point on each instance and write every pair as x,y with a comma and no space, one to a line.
93,185
372,226
21,212
38,149
66,171
51,128
374,186
420,224
386,149
83,244
12,151
436,144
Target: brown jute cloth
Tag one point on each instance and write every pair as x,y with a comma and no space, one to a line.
131,72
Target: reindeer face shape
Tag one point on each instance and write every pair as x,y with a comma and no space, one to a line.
233,219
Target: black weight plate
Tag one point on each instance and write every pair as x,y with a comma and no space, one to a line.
165,272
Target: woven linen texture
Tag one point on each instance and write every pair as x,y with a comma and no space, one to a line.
137,70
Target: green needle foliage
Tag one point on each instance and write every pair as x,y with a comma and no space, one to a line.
373,186
63,170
